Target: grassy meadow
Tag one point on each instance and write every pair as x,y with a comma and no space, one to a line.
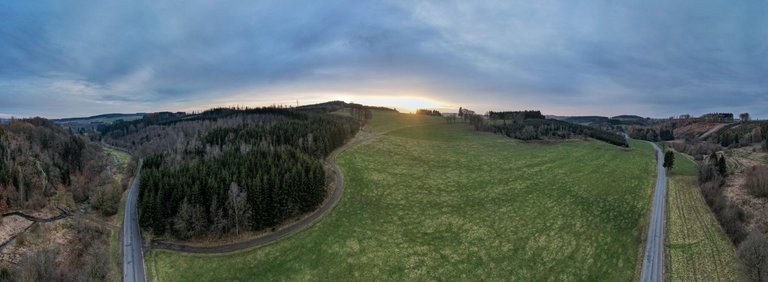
441,202
697,248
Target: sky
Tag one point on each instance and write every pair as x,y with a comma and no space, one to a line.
656,58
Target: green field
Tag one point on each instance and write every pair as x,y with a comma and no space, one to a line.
441,202
385,121
697,248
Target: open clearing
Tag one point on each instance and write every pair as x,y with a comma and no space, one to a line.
441,202
697,248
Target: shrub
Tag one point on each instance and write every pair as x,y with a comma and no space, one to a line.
757,181
709,173
96,264
106,199
39,266
7,275
730,217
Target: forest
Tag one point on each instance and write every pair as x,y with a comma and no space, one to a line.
532,129
230,170
530,125
744,134
651,134
38,158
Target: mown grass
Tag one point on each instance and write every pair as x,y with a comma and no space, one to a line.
697,248
441,202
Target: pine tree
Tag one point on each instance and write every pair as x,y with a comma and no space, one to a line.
722,166
669,160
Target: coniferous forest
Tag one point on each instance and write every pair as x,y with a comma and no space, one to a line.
226,171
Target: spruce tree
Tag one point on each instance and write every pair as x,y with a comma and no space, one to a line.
722,166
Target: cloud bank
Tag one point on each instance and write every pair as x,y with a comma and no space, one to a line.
655,58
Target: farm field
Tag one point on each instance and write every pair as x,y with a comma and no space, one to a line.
697,248
442,202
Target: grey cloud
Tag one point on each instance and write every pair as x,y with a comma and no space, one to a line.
587,57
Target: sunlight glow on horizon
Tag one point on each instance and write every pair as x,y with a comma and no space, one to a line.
402,104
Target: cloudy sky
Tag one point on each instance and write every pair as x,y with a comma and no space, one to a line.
649,57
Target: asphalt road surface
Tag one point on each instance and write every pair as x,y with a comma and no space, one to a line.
133,257
653,260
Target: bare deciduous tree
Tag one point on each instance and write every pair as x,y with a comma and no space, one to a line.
238,208
757,181
39,266
753,254
744,117
181,222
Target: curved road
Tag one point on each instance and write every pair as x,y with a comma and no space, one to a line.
653,260
133,256
327,205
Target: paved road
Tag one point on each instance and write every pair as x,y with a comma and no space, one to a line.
133,257
327,205
653,260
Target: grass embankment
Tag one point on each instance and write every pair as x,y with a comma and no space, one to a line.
697,248
441,202
114,240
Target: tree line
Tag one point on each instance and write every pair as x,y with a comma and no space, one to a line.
230,176
426,112
537,129
650,133
516,115
711,176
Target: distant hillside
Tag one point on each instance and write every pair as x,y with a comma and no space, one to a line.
100,118
91,124
605,121
628,117
532,125
333,106
587,120
741,134
632,120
